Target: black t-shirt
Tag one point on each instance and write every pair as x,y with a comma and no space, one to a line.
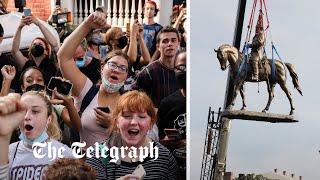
92,70
172,114
6,60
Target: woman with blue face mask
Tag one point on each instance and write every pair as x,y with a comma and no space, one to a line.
37,125
113,71
96,47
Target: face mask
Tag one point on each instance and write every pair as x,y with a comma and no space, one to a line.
35,87
96,40
81,63
37,50
122,42
181,78
109,87
41,138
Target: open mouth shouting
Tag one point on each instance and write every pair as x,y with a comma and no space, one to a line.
133,132
28,127
113,77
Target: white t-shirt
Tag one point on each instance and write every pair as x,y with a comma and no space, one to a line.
26,166
91,131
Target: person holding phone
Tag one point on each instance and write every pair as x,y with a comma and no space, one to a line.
32,79
40,49
114,71
133,115
172,115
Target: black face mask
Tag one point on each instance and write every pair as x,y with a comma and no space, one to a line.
122,42
37,50
35,87
181,78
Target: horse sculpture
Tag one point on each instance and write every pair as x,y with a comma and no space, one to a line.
234,57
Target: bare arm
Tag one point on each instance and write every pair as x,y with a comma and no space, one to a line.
69,114
179,18
145,55
155,55
133,51
67,64
17,55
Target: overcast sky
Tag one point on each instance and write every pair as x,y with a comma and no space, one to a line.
258,147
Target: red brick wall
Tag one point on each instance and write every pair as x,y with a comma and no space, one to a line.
39,8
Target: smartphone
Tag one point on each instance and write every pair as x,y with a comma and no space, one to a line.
128,27
139,171
27,11
104,109
172,133
63,87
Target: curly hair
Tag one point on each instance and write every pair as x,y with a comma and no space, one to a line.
69,169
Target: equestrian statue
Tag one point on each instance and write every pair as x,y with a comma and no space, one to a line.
228,53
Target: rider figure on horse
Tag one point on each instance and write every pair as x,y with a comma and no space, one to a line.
257,49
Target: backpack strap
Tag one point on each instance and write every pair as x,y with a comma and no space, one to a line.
88,98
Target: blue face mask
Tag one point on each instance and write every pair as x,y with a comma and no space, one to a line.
109,87
96,39
81,62
41,138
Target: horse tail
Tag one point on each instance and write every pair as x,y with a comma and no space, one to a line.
294,77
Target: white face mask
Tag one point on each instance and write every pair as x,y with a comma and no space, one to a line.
109,87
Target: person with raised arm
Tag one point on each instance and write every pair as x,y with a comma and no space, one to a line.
114,71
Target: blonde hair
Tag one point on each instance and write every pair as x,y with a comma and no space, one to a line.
53,129
134,101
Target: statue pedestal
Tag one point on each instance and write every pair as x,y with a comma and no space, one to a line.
258,116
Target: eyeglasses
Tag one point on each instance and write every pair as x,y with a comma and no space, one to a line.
181,68
122,68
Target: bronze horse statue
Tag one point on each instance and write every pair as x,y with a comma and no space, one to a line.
228,53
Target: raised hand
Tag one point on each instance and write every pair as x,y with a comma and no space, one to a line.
97,20
34,20
25,20
12,112
8,72
135,27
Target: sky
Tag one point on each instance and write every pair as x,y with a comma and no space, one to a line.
258,147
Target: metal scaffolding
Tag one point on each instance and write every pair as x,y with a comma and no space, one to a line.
211,145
